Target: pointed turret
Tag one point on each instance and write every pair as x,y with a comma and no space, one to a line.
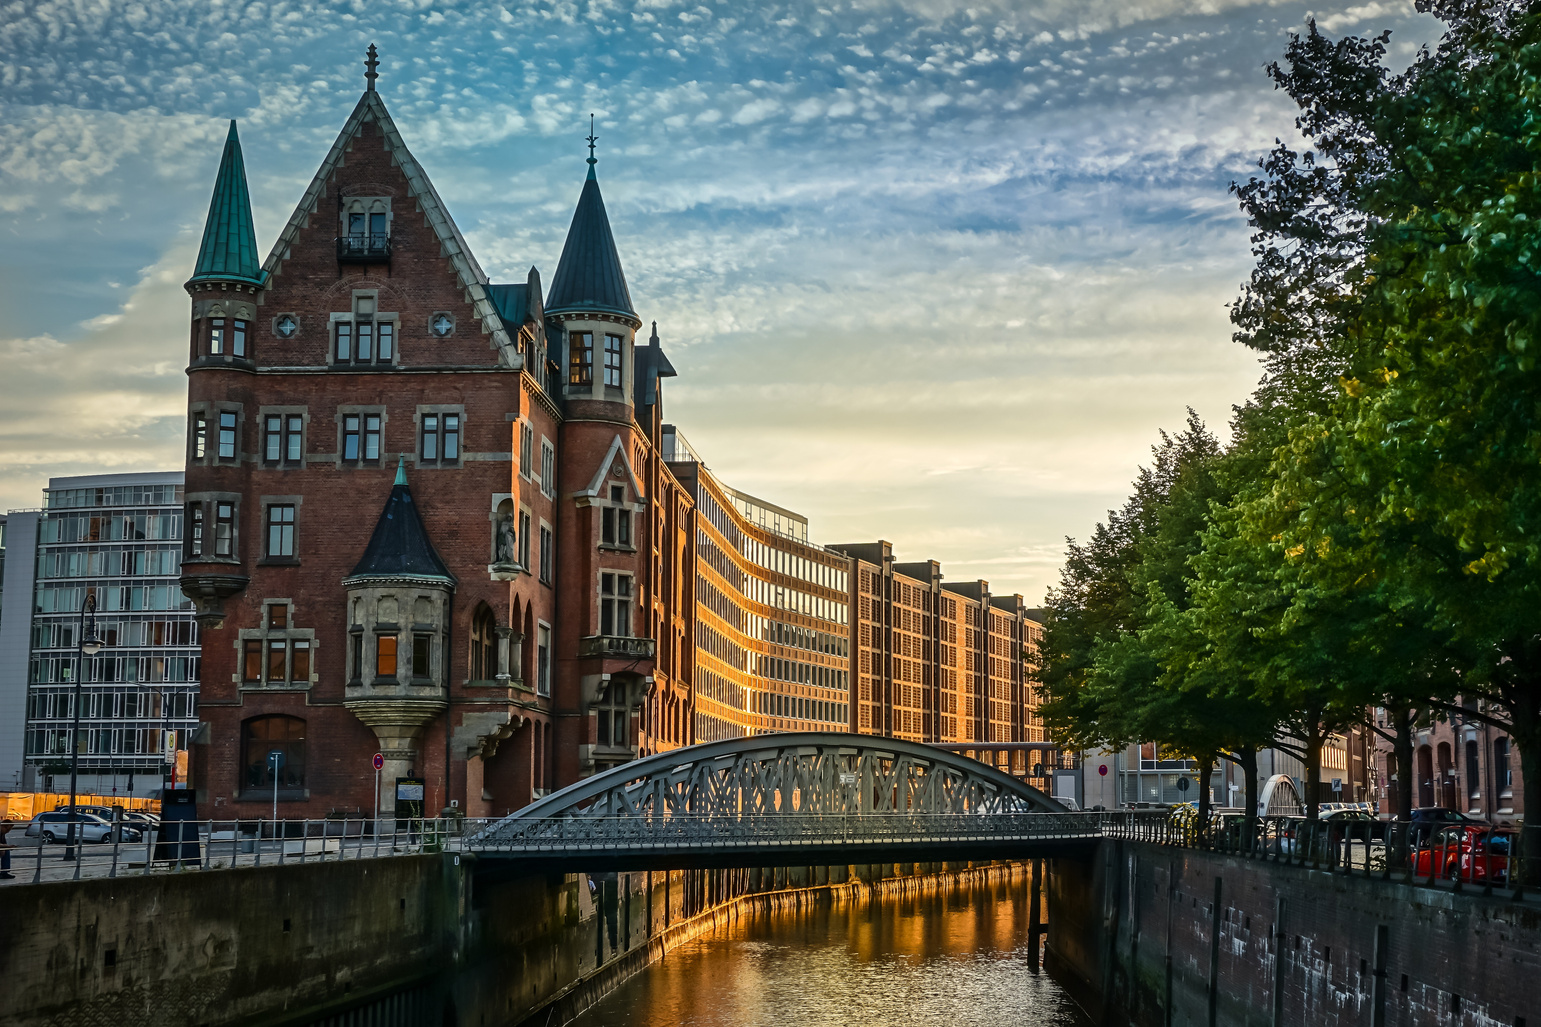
229,250
399,548
589,275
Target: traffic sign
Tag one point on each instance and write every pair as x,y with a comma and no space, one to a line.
1103,770
379,760
1182,784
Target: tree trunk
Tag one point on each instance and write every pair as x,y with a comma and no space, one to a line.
1248,761
1313,765
1524,707
1206,771
1403,750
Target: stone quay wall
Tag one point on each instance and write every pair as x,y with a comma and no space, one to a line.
1155,936
409,941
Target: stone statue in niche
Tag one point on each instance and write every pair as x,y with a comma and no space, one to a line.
505,540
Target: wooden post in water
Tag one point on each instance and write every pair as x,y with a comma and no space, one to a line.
1034,916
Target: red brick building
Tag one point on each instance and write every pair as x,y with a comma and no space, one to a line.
1459,763
425,511
440,518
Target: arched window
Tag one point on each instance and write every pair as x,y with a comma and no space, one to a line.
262,736
484,644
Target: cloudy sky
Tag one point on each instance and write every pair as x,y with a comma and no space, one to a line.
931,271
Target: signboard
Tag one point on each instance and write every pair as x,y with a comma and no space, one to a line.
379,761
409,801
1182,784
168,747
1103,770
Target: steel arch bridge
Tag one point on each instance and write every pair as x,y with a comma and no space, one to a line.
800,798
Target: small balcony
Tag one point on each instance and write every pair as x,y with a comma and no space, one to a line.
364,248
617,646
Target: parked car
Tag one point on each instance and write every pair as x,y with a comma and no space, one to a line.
1473,851
1428,819
54,826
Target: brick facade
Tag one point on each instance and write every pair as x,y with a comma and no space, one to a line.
575,589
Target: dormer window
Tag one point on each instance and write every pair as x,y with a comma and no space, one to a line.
365,236
615,520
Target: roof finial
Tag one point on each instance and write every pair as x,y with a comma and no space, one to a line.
592,138
654,340
401,470
370,64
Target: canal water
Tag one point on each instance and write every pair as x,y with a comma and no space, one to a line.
956,958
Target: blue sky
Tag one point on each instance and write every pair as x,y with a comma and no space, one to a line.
932,272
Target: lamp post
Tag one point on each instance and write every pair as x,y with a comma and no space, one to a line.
89,645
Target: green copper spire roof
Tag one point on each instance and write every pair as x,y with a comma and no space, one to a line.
229,250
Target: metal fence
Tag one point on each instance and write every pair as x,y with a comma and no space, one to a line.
1460,857
1470,857
196,845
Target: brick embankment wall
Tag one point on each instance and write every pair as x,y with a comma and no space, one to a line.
1156,936
224,947
410,941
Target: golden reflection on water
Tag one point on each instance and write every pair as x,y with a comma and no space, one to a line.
957,958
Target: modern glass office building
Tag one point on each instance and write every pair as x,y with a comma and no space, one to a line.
772,623
119,536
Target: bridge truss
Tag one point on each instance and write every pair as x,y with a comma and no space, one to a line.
796,797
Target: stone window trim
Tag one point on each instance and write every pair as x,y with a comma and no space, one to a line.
263,413
207,411
208,503
363,307
436,325
548,465
340,458
542,641
439,410
289,635
213,411
263,503
547,554
364,205
286,316
236,319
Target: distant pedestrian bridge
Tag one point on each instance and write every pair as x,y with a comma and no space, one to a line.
807,798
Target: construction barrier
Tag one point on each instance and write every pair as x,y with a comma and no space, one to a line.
26,805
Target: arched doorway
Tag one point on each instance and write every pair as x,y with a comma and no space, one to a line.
1446,778
1425,776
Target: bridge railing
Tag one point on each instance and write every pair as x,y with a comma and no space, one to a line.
685,831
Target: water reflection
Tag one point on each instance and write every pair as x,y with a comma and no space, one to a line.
958,958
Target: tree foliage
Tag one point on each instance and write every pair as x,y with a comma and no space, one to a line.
1371,536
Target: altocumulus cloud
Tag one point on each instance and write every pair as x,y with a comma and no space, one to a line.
932,271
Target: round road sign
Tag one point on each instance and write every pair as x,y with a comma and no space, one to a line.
379,761
1103,770
1182,784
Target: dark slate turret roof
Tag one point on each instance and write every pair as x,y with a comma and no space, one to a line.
651,365
589,275
399,547
229,250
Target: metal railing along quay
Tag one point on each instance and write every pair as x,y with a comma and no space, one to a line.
1470,857
197,845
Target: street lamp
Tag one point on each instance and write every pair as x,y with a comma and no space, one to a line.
90,645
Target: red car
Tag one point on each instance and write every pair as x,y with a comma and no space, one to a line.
1472,852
